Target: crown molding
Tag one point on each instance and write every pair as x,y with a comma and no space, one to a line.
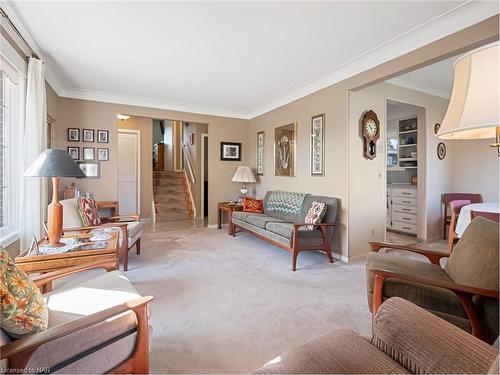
456,19
418,87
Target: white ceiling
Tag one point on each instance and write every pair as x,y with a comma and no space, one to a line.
236,59
397,110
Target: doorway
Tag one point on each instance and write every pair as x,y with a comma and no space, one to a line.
204,174
128,171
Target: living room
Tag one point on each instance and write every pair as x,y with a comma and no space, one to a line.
281,148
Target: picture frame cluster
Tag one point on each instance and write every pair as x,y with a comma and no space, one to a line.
88,136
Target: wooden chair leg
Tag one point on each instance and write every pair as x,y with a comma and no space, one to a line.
326,247
295,253
125,261
138,246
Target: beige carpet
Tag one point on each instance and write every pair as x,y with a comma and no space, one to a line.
229,305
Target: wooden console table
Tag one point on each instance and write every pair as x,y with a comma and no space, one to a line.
228,208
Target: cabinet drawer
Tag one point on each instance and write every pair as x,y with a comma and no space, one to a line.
404,218
402,227
404,193
404,201
404,209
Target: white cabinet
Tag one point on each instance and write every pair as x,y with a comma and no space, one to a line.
402,209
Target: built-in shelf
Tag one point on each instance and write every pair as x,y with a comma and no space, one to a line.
414,167
409,131
408,159
413,144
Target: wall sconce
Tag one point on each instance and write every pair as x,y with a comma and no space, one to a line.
122,117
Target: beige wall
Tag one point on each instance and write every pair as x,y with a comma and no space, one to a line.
89,114
145,127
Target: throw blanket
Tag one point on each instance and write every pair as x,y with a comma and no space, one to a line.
285,202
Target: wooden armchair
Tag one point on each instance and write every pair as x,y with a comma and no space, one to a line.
130,225
449,197
465,292
109,334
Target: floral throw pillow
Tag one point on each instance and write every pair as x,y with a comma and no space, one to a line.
253,205
315,214
23,310
87,208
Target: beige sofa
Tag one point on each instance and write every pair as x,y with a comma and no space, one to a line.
406,339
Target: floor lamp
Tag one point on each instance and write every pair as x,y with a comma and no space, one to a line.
54,163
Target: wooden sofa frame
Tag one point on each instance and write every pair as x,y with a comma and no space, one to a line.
463,292
19,352
296,248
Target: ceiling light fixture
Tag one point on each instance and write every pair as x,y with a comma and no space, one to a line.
122,117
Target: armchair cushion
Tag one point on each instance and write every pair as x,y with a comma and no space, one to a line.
22,308
87,208
74,301
71,216
425,344
312,237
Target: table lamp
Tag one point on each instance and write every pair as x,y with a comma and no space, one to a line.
55,164
474,108
244,174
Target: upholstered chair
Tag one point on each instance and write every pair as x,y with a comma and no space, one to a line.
464,292
129,225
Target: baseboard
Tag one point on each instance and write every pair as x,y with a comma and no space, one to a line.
146,220
212,226
341,257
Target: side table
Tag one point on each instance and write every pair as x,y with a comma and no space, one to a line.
228,208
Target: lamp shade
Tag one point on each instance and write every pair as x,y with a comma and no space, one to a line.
244,174
54,163
474,109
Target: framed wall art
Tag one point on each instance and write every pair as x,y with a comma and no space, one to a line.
318,145
230,151
91,169
74,152
441,150
88,135
284,150
103,154
260,153
88,153
102,136
73,135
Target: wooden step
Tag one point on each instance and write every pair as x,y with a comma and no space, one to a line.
174,216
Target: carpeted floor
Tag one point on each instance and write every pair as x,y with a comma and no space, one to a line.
229,305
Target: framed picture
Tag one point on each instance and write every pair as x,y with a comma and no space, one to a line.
91,169
88,153
102,136
284,150
88,135
103,154
318,145
230,151
441,150
74,152
73,134
260,153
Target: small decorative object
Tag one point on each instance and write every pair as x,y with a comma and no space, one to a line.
54,163
284,150
33,249
88,135
230,151
437,125
317,145
102,136
441,150
191,139
74,152
260,153
73,134
91,169
103,154
244,174
370,130
88,153
315,214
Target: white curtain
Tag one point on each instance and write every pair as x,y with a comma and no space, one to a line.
33,140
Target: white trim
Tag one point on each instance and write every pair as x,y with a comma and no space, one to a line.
188,184
138,133
175,145
342,258
212,226
418,87
202,177
462,16
9,238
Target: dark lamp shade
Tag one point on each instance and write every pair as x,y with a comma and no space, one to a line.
54,163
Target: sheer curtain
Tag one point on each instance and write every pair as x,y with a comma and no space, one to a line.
33,141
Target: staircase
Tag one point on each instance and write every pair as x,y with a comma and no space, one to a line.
171,196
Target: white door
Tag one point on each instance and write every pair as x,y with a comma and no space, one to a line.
128,172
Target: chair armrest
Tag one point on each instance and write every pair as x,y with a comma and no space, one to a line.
425,343
48,277
89,228
463,292
433,256
27,345
117,219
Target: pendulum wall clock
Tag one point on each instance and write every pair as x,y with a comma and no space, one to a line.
370,130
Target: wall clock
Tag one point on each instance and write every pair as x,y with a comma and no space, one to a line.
370,130
441,150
